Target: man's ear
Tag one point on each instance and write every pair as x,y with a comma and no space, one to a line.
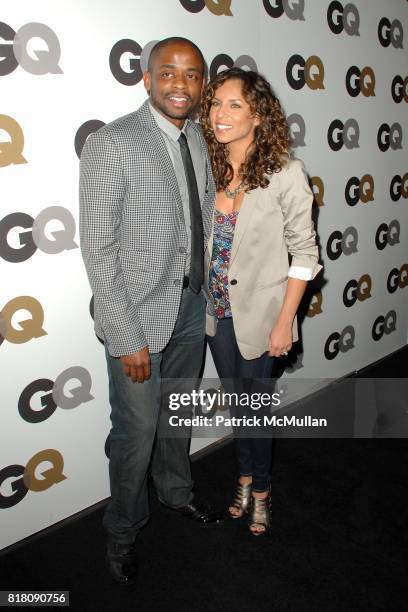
147,81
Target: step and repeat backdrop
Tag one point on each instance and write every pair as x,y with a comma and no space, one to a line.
67,68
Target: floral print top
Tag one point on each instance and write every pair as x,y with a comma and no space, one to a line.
224,226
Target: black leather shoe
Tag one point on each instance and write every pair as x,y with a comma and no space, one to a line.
203,515
121,562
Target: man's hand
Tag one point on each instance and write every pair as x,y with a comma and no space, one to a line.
137,365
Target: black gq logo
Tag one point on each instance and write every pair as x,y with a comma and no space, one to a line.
360,81
301,72
35,237
128,60
14,52
399,89
292,8
399,187
357,290
387,234
347,18
384,325
339,342
359,190
342,243
343,134
224,61
87,128
390,33
54,395
389,137
397,278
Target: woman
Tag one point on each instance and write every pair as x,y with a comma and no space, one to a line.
262,213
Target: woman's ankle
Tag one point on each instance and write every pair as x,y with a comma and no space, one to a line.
245,480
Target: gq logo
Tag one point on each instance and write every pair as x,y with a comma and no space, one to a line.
293,9
342,243
357,290
317,186
339,342
28,328
315,307
15,50
390,33
128,60
297,128
11,152
397,278
223,61
86,129
26,478
347,18
387,234
217,7
301,72
389,136
53,394
22,245
360,81
384,325
359,190
399,89
399,187
343,134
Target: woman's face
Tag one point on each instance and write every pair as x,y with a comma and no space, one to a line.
231,117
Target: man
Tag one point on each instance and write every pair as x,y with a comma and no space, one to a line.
146,205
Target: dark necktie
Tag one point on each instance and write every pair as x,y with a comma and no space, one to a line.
197,234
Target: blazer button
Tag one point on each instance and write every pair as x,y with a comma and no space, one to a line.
177,281
233,281
182,249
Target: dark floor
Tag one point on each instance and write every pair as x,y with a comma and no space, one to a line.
338,540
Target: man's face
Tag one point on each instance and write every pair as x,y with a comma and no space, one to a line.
175,82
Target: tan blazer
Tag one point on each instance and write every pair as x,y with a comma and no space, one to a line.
272,222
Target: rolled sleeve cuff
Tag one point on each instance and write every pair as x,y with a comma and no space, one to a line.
304,273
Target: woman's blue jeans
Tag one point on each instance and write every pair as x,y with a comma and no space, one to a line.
237,374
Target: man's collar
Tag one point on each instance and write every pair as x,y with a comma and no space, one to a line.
167,126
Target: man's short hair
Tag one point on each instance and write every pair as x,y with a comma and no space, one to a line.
169,41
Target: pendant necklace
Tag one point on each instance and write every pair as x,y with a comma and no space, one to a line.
233,194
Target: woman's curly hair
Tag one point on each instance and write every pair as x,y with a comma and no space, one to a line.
270,148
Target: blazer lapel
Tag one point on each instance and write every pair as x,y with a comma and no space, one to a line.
160,150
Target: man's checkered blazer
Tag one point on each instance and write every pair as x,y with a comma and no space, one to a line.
133,236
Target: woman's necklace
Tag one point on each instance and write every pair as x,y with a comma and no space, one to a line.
233,194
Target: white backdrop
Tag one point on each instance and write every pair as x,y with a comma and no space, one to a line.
55,76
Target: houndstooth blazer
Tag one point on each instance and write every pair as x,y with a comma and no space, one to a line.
133,236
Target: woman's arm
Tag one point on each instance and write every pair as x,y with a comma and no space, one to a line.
280,339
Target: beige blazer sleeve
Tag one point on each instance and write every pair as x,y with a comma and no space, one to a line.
272,223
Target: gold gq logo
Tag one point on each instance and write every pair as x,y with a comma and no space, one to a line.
357,290
317,186
216,7
28,328
360,81
315,307
301,72
359,190
11,151
28,478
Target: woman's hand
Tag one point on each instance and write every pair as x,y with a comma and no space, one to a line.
280,339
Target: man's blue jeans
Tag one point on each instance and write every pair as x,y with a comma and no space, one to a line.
138,413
